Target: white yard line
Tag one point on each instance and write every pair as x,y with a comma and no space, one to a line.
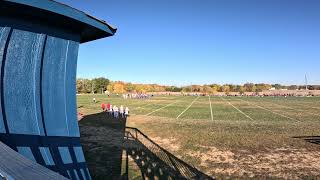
187,107
162,107
294,109
237,109
269,110
211,108
143,106
148,104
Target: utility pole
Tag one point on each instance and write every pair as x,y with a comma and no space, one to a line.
306,81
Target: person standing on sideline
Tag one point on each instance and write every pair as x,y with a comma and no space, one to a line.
115,111
121,110
126,112
108,107
94,100
110,110
103,107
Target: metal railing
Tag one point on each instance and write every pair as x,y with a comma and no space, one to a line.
175,165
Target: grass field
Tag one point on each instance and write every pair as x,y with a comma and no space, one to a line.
230,136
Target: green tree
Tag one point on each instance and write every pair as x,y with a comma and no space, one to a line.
293,87
241,89
277,86
100,84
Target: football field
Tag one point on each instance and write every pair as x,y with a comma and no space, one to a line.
278,109
275,137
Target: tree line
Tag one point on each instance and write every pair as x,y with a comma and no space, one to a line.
101,84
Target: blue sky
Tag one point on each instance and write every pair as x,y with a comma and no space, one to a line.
181,42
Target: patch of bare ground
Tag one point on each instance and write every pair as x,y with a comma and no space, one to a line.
262,161
137,120
170,144
279,163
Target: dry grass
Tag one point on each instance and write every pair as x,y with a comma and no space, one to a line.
233,145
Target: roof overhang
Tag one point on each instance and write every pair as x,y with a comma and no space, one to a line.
57,15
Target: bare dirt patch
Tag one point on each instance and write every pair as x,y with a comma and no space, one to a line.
279,163
169,144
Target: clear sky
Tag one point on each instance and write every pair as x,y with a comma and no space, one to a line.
179,42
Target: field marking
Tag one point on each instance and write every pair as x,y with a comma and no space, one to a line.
237,108
143,106
295,109
187,107
211,108
148,102
270,110
134,103
162,107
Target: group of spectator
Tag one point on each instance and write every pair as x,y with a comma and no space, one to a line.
117,112
135,96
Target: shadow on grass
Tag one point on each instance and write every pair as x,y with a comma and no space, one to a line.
104,138
309,139
154,161
102,141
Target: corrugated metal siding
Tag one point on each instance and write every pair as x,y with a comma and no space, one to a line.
58,83
21,80
38,96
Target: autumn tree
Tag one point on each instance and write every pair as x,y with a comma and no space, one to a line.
207,89
249,87
118,87
225,89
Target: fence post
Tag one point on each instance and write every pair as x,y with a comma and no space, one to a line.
136,134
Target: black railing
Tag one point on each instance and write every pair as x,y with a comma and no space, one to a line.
154,161
54,145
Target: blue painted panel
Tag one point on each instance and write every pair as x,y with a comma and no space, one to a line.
39,86
59,87
88,173
26,152
79,154
71,66
69,174
21,83
54,87
83,173
46,155
4,31
67,11
77,176
65,155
